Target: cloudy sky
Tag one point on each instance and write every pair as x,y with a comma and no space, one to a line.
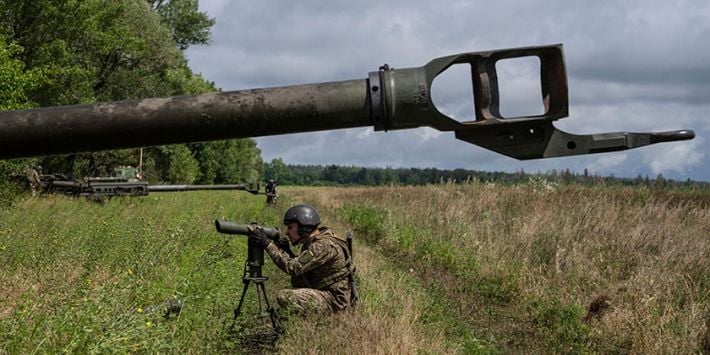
632,66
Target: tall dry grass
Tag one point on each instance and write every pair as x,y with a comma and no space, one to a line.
388,320
394,314
523,264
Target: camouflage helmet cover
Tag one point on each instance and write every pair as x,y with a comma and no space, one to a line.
304,215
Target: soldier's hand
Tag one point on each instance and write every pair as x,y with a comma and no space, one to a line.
258,236
284,245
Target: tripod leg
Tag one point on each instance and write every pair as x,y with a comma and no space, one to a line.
238,310
275,324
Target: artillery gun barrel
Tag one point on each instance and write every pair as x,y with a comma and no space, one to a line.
66,184
158,121
170,188
387,99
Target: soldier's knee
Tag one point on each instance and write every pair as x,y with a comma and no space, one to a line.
303,301
284,297
291,300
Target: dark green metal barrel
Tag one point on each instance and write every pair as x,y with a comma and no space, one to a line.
387,99
251,188
157,121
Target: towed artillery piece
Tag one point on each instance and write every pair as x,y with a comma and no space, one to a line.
123,184
98,188
388,99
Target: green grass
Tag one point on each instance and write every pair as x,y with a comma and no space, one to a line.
475,268
84,277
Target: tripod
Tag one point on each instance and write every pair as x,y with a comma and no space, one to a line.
252,274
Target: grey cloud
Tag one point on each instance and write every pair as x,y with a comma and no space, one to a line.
598,91
632,66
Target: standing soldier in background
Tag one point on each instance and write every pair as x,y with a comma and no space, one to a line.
322,273
271,192
33,179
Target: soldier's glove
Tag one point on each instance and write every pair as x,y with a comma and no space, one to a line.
284,245
258,236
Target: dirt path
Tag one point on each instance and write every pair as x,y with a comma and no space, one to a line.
388,318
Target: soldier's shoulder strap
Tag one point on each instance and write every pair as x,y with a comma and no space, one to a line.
342,242
348,269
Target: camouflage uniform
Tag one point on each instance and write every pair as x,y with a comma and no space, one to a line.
319,275
271,194
34,181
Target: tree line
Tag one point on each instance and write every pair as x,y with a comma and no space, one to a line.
329,175
85,51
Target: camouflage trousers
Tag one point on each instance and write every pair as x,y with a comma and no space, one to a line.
305,300
36,188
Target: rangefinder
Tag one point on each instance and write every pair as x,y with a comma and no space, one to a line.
229,227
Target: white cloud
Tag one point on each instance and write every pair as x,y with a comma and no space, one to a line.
213,7
365,133
427,133
607,163
680,157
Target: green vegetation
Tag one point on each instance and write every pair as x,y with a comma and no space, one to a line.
79,52
473,268
81,277
335,175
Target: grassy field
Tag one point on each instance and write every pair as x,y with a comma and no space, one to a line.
474,268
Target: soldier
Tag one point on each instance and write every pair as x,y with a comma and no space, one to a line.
33,179
271,192
321,274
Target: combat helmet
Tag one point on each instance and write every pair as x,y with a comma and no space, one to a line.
304,215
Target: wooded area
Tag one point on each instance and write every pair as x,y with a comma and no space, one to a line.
335,175
80,52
